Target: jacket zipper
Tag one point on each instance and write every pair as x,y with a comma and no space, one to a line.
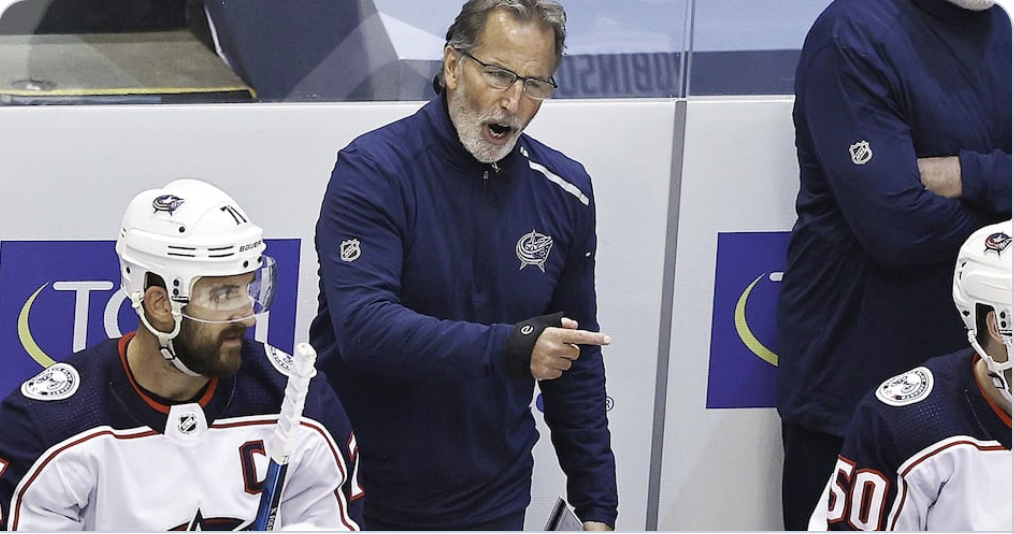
485,174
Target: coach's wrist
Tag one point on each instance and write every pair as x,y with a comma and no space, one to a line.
524,334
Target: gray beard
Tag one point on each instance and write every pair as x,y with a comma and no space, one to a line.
469,125
974,5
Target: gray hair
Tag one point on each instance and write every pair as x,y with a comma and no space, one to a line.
469,24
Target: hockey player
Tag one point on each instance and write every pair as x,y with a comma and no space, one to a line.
930,449
165,428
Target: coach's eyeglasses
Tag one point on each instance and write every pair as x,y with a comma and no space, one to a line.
501,78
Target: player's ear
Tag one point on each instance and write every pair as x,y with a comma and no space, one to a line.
450,66
994,331
158,307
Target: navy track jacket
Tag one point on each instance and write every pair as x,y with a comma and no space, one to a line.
867,288
427,259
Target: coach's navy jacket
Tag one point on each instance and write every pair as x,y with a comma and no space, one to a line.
867,289
427,259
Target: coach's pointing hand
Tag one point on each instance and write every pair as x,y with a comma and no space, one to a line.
557,348
545,346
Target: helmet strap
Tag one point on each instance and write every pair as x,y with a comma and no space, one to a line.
1004,385
995,369
165,339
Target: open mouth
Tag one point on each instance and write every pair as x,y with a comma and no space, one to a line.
497,133
499,130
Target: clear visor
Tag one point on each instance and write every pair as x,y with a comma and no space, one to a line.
227,299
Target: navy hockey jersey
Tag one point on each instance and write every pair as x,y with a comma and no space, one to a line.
84,447
927,450
428,257
866,292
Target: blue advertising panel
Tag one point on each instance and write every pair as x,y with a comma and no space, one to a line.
58,297
742,366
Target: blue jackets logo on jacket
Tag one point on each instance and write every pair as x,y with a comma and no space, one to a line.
533,249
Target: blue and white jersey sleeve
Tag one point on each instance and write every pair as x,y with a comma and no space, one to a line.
20,445
322,489
865,482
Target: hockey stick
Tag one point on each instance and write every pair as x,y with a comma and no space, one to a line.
281,444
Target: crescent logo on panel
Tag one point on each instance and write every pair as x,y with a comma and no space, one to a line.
59,297
742,363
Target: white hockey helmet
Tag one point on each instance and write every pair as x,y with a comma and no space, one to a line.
982,278
182,232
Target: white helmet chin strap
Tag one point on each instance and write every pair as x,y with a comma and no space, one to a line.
165,339
996,370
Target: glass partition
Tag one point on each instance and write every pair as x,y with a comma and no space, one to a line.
748,47
102,51
624,49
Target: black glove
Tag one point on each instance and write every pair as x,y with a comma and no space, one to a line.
522,341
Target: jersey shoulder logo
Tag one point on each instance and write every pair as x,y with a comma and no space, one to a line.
280,360
57,382
861,152
351,250
533,249
907,388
